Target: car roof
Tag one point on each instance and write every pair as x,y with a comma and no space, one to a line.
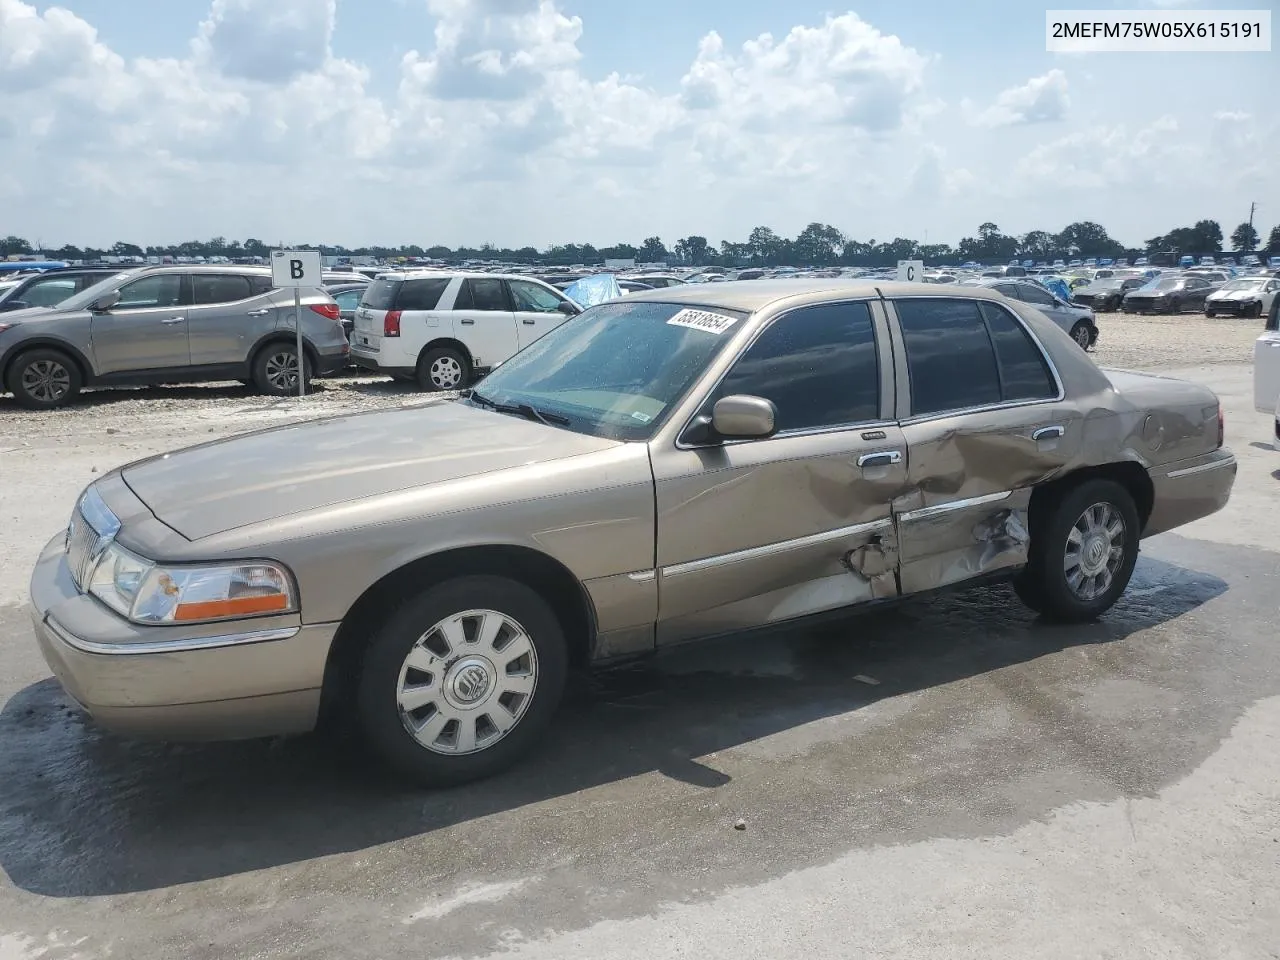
427,274
754,295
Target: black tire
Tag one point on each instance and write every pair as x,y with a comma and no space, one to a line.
1044,584
1081,334
1210,313
275,371
378,697
1254,311
444,368
1175,306
44,379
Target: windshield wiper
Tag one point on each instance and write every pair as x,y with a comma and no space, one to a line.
521,409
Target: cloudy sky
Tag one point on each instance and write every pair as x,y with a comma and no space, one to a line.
548,121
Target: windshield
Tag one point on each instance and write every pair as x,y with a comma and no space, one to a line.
615,370
1244,285
1161,283
90,294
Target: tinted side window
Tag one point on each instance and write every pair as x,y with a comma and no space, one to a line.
213,288
160,290
483,294
49,293
533,298
421,294
817,364
1008,289
1032,294
1023,372
949,355
258,285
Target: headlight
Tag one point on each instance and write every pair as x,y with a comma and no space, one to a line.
148,593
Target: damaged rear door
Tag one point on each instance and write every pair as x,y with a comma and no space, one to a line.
985,420
751,532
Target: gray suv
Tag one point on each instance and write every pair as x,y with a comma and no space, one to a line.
170,324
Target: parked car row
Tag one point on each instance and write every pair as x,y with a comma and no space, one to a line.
171,324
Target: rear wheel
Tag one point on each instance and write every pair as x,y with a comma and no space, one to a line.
1082,553
1081,334
1254,311
1210,312
462,680
443,368
275,370
44,379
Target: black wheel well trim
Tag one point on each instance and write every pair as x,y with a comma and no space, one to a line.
47,343
451,342
1128,473
544,574
288,339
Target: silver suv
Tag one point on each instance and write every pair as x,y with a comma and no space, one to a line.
170,324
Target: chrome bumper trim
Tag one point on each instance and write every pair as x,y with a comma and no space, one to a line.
168,646
1202,468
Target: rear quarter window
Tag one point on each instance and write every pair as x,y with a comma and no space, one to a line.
421,294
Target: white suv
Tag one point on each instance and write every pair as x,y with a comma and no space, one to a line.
445,329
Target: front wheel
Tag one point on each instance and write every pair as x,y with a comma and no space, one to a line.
1175,306
275,371
1081,335
1254,311
44,379
1210,312
1082,553
462,680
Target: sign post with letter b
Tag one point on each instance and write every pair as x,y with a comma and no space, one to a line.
910,270
297,269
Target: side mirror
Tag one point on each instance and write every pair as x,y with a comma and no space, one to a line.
568,308
744,417
105,302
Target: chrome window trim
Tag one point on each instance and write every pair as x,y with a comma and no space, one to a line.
770,549
939,509
168,646
1003,405
1201,468
800,431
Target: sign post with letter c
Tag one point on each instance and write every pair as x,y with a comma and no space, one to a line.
297,269
911,270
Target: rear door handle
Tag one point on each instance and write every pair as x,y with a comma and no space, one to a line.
467,320
529,323
259,313
882,459
1055,432
174,320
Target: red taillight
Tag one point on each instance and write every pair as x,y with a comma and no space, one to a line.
330,310
1222,425
391,324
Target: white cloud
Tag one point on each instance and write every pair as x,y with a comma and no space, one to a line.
491,128
1040,100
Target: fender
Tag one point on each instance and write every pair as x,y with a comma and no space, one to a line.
57,343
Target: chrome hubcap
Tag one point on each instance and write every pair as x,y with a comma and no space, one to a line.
282,371
46,380
467,682
1095,551
446,373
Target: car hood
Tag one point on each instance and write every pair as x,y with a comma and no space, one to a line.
1150,293
282,471
1235,295
1096,291
30,313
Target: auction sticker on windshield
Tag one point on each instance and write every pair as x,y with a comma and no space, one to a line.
716,323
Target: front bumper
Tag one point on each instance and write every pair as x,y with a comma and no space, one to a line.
1230,306
223,681
1188,490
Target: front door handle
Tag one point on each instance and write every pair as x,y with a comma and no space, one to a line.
259,313
1055,432
882,459
528,323
467,320
174,320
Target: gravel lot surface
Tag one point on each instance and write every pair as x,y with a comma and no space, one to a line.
952,778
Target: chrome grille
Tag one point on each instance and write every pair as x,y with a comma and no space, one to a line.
82,543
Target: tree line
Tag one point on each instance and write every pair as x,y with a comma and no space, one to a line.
817,245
